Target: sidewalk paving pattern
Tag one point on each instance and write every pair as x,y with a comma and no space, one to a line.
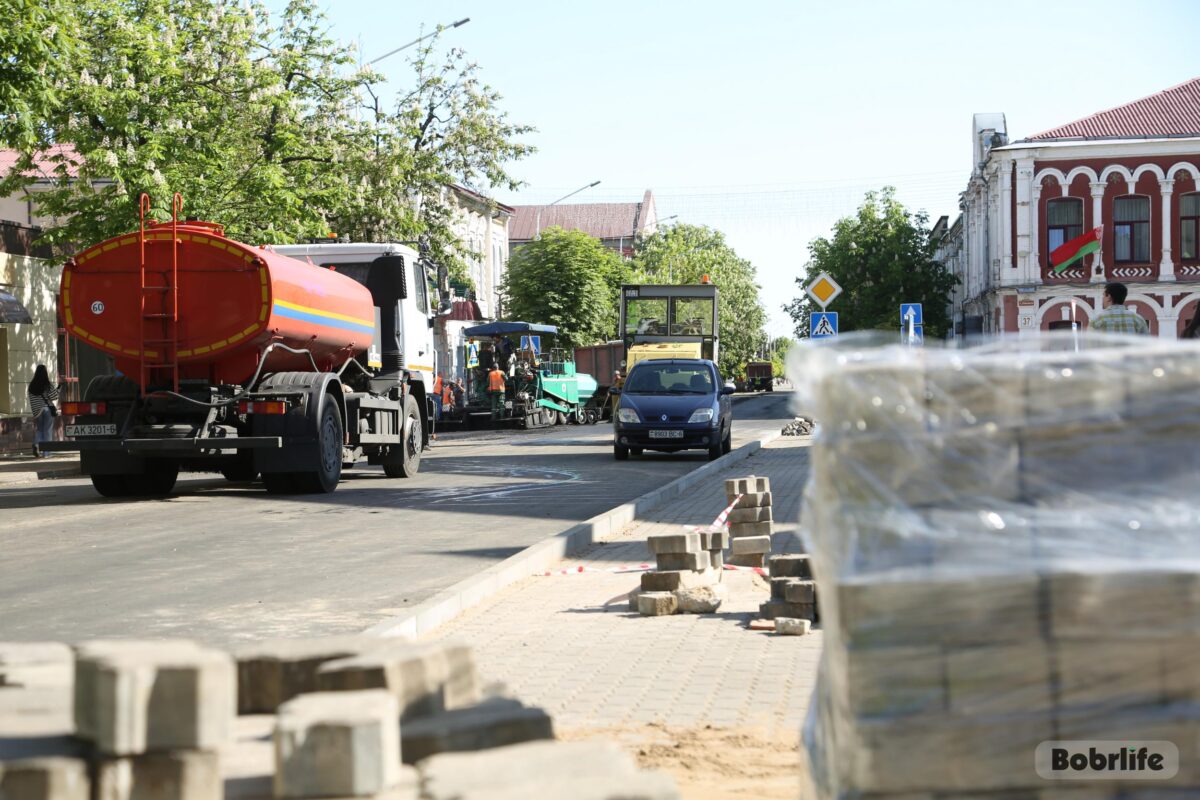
570,643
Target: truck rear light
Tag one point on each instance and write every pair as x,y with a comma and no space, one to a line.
78,409
262,407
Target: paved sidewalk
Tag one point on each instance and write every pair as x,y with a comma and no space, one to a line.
570,643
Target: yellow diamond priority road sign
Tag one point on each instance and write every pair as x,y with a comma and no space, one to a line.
823,290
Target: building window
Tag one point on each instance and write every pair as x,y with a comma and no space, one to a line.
1189,225
1064,222
1131,229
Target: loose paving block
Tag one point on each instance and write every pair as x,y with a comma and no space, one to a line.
273,672
426,678
762,625
674,543
716,559
790,566
751,544
44,779
657,604
701,600
797,591
133,697
714,540
772,609
755,500
676,561
337,744
750,485
674,580
744,529
492,723
787,626
448,776
754,514
178,775
36,664
756,560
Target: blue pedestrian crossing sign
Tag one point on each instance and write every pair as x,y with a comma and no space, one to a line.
912,310
472,355
823,324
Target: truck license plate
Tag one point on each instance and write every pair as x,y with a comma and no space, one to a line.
666,434
91,430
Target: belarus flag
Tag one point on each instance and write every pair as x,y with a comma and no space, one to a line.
1069,252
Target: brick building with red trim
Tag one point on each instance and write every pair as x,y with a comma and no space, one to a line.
1134,169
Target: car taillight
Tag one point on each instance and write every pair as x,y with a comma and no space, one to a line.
78,409
262,407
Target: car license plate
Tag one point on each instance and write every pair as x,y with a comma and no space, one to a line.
666,434
91,430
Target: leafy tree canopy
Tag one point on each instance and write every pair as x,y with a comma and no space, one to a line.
265,125
681,254
881,257
567,279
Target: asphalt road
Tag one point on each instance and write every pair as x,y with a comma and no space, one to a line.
224,563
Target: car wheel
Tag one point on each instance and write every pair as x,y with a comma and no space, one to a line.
620,453
636,451
727,442
714,452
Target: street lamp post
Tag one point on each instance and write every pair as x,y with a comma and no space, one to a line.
537,228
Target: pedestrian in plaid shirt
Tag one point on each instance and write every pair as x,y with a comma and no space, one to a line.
1116,318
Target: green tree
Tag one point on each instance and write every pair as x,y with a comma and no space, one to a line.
779,353
881,257
263,124
37,43
566,279
681,254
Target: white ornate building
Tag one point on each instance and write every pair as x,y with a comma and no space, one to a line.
1134,169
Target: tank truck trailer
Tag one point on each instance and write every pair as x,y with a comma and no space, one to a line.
247,360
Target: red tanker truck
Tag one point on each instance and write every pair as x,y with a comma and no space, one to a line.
243,360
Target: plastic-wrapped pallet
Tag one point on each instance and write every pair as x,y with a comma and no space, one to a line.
1007,544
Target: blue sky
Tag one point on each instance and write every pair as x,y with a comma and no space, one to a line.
769,120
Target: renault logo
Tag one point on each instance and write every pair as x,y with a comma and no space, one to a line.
664,417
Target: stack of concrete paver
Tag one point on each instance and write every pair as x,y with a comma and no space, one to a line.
750,522
688,576
353,717
793,603
155,716
1006,541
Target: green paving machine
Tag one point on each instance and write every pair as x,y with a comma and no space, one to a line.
542,387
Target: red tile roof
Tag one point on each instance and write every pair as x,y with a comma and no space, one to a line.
44,162
1170,113
602,220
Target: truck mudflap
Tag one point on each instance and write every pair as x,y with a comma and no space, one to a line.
190,446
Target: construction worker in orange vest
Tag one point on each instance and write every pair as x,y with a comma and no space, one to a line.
447,397
437,396
496,389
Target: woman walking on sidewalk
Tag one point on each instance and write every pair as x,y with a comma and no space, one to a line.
42,397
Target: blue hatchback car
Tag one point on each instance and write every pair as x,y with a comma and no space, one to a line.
673,404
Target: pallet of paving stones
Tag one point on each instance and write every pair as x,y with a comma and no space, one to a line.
1006,540
352,717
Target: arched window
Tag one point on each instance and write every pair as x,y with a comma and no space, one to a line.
1189,225
1131,229
1064,221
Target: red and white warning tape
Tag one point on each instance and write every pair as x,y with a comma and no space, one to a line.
718,524
758,570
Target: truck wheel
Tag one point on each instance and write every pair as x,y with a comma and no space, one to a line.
404,459
156,480
560,418
324,479
110,485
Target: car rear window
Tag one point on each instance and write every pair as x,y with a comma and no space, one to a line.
670,379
